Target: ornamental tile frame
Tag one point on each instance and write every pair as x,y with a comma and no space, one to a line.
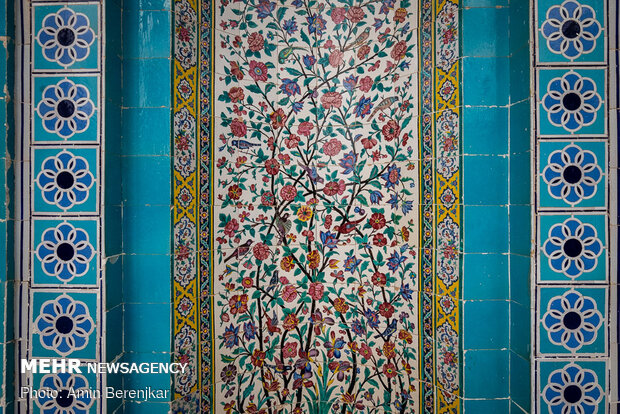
574,141
221,128
59,187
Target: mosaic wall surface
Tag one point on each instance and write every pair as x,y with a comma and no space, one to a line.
575,164
316,206
59,227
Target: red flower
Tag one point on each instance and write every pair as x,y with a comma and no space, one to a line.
378,279
365,351
368,143
386,309
292,141
399,50
258,71
289,293
379,240
390,130
355,14
287,263
258,358
277,118
314,259
388,349
334,187
366,83
231,228
256,42
305,128
336,58
332,147
288,192
341,305
272,166
316,290
400,15
268,199
289,350
238,304
238,128
331,100
261,251
236,94
389,370
290,322
338,14
234,192
235,70
377,221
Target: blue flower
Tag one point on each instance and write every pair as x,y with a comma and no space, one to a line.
393,201
64,180
572,320
571,101
249,330
290,26
363,107
406,292
407,207
66,37
309,61
571,29
350,82
65,108
231,336
316,24
391,176
572,174
298,3
572,389
297,106
376,196
348,162
373,318
351,263
329,240
395,261
264,8
64,325
357,327
65,252
290,87
572,248
63,393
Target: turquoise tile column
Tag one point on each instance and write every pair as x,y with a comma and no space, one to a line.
146,195
486,195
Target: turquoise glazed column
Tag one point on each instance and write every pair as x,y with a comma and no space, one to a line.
574,156
59,202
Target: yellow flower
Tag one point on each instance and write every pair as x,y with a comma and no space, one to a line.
304,213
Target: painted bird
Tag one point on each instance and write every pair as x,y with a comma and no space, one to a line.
283,225
360,40
312,173
272,324
389,331
273,282
243,144
285,53
279,367
348,226
240,251
383,105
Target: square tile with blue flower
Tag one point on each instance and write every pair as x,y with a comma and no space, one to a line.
568,384
572,321
571,32
573,248
571,102
72,390
65,252
65,37
64,324
65,180
571,174
65,109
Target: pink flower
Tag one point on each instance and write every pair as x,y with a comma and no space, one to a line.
231,228
238,128
355,14
366,84
256,41
338,14
305,128
236,94
292,141
316,290
289,293
272,166
258,71
331,100
261,251
399,50
288,192
335,58
289,350
332,147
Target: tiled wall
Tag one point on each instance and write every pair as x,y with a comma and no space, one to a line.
574,159
496,197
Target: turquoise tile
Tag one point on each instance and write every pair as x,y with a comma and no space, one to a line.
155,381
487,81
486,374
146,408
573,248
590,375
139,78
146,34
114,281
572,321
520,234
147,230
113,124
520,178
140,269
520,279
587,46
113,231
485,179
113,178
149,177
520,326
488,39
114,333
149,5
486,406
487,140
487,276
520,72
572,174
493,333
115,381
147,327
485,229
519,15
113,37
520,388
586,89
143,139
114,92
